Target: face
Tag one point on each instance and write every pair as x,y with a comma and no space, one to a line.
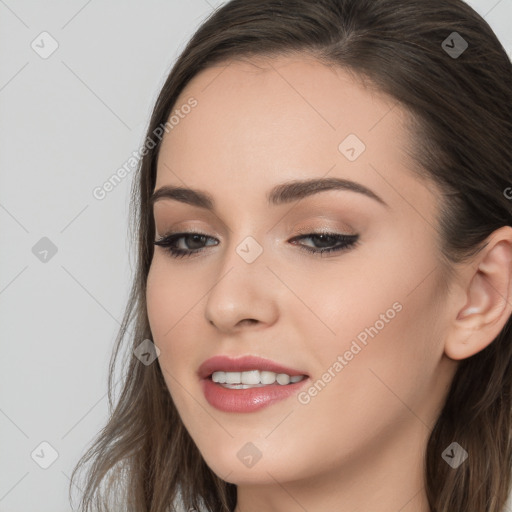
362,321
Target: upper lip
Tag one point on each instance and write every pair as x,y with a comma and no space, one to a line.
242,364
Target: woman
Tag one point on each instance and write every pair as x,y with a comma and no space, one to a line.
324,268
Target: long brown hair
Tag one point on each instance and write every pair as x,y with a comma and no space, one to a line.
460,101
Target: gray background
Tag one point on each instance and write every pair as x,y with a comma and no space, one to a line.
67,123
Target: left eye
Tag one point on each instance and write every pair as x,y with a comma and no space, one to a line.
195,243
328,242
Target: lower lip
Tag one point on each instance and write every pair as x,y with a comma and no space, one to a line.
247,400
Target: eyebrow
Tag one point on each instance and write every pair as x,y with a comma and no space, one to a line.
281,194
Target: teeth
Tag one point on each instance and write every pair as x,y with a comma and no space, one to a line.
283,379
254,378
232,377
267,377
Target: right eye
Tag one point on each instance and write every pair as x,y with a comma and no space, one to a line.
193,243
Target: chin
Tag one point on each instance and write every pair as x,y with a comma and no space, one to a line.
229,467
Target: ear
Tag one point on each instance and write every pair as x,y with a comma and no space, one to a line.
486,294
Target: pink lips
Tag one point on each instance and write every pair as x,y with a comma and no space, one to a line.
245,400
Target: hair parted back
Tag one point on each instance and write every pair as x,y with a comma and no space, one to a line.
461,111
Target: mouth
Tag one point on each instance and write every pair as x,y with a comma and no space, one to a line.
248,383
253,379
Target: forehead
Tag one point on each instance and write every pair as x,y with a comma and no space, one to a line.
264,121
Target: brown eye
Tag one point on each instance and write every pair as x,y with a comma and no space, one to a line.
194,243
327,242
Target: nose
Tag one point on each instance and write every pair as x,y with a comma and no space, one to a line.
244,294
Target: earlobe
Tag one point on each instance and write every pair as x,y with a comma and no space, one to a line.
487,305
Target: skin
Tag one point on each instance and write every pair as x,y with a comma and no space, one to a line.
358,444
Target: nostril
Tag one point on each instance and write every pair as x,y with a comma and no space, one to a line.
248,320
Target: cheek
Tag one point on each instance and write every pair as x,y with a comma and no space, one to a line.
383,317
170,298
159,301
379,385
171,306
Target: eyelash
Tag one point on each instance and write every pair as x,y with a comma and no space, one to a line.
346,241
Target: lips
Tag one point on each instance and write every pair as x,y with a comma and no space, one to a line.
243,364
246,399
